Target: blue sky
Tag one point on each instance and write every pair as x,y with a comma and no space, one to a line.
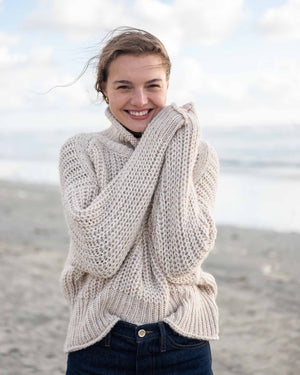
238,61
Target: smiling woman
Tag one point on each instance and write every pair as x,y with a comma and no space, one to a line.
138,199
136,89
133,76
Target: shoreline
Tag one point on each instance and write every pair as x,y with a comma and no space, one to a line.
46,186
256,272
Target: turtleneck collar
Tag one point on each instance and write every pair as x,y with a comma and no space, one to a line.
125,136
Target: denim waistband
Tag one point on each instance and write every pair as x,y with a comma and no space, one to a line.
141,332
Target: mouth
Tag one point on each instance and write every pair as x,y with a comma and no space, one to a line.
139,114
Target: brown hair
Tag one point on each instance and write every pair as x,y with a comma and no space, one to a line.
128,41
123,40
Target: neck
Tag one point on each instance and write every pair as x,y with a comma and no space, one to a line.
136,134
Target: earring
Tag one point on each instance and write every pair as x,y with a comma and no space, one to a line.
106,99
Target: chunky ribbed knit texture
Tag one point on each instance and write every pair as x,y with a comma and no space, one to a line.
140,218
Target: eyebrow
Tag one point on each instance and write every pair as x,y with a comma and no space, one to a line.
124,81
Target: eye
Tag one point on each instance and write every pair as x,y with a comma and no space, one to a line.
154,86
123,87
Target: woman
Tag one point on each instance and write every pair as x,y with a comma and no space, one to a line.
138,199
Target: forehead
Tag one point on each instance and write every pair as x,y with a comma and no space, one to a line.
132,67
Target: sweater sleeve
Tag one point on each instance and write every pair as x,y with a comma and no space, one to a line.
104,224
181,222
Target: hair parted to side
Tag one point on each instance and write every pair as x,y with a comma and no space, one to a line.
126,40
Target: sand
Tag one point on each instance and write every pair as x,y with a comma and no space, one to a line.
256,271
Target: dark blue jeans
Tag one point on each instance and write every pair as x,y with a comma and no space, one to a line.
146,349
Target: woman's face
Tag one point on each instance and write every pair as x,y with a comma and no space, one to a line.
137,89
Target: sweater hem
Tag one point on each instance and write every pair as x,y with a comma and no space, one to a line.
187,334
69,349
188,314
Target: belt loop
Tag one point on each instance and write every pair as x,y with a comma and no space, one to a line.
107,339
162,336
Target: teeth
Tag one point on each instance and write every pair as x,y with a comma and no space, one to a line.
143,113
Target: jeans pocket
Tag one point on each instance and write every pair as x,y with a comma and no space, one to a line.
178,341
104,342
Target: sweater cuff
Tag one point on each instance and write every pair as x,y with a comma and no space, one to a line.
164,125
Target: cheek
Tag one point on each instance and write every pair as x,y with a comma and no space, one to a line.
159,98
117,101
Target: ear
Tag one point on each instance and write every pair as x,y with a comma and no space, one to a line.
104,89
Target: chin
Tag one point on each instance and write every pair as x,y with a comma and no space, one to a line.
137,128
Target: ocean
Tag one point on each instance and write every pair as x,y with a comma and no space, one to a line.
259,184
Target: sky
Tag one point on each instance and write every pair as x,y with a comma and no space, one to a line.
237,60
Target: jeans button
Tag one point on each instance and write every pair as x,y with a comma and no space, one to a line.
141,333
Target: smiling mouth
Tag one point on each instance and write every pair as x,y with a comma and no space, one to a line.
139,114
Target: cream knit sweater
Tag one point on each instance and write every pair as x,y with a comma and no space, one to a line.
140,218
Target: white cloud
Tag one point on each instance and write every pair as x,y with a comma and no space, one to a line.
200,22
270,95
79,19
7,59
189,80
207,22
279,84
7,38
282,23
159,19
23,75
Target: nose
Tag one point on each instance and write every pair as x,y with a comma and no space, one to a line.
139,98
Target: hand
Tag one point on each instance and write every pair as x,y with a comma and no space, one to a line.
187,107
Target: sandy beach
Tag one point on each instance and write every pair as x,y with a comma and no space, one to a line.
256,271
